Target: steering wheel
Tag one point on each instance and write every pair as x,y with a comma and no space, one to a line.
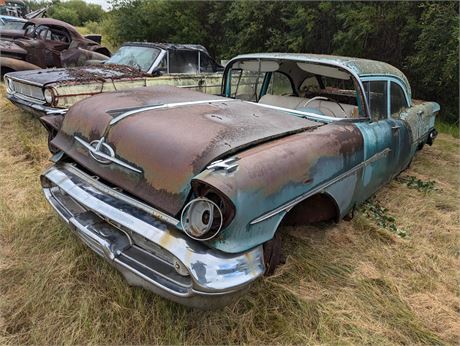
324,98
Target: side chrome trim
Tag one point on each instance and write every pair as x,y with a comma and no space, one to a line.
95,153
320,188
309,115
163,106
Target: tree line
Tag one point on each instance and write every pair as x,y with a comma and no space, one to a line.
420,38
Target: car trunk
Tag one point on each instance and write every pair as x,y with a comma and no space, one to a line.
171,143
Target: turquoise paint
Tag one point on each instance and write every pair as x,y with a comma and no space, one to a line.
253,201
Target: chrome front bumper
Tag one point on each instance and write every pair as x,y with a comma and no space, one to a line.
148,252
32,107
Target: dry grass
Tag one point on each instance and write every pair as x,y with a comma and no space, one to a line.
342,284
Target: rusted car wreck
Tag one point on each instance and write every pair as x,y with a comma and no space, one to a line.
46,42
135,64
184,192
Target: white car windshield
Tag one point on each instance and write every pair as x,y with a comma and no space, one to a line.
137,57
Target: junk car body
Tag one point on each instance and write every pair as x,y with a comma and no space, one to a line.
46,42
184,192
135,64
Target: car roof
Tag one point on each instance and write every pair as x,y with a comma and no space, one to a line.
361,67
168,46
55,22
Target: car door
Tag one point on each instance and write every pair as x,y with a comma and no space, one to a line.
384,138
55,41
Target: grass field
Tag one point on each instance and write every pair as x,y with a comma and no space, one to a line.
346,283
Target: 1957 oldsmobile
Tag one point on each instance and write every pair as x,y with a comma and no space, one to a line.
184,192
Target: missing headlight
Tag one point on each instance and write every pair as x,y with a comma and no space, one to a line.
201,219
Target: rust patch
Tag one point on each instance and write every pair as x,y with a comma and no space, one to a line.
102,73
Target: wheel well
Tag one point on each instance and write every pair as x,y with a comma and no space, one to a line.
319,207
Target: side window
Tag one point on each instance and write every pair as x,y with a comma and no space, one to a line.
43,33
183,61
397,100
206,64
56,35
376,93
280,84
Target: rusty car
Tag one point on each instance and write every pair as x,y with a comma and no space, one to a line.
46,42
184,192
135,64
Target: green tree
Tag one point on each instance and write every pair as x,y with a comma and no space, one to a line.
419,38
67,15
434,64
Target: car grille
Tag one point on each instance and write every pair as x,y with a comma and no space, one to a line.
28,90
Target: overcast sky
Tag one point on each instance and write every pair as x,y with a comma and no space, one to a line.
104,3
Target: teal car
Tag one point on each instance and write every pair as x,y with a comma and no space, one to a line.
184,192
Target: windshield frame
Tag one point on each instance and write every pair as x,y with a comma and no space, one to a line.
228,68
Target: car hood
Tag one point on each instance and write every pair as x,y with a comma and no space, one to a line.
170,142
84,74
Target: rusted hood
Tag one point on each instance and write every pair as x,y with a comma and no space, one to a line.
78,74
170,144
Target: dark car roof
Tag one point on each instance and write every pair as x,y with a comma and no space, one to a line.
169,46
55,22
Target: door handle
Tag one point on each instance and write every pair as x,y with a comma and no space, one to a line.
395,128
419,113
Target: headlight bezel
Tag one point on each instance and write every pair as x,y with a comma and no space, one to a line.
50,94
186,221
9,85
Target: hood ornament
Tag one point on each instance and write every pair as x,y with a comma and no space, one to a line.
229,165
103,153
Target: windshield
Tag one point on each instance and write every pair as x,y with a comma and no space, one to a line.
304,86
138,57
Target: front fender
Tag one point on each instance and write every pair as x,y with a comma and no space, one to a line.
274,175
11,64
